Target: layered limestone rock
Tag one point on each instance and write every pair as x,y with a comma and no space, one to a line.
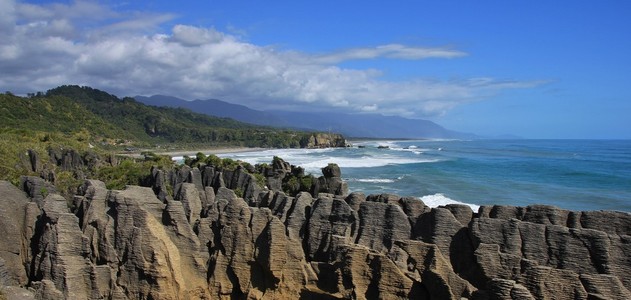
331,182
324,140
60,252
14,230
214,236
547,250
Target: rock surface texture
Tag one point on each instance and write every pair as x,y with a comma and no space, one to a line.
207,241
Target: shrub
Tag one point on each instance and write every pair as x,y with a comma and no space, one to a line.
291,186
229,163
213,160
306,182
238,192
44,192
261,181
127,172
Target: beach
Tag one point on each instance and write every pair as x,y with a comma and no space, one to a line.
221,150
179,154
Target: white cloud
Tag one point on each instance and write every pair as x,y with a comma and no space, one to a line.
195,36
371,107
7,15
128,54
77,10
388,51
32,12
137,24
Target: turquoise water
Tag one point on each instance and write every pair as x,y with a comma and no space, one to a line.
571,174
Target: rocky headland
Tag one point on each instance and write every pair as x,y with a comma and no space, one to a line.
271,232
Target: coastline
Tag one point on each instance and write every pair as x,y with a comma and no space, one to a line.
573,175
207,151
222,150
469,246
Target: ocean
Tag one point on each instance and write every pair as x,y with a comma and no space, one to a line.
570,174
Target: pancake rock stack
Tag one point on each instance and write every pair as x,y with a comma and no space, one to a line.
205,241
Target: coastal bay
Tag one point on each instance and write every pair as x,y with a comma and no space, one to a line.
571,174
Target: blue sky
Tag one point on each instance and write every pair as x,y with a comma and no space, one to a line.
537,69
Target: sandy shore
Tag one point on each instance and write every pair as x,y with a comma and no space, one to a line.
210,151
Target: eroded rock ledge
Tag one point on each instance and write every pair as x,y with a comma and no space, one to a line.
205,242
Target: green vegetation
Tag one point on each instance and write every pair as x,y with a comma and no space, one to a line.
238,192
215,161
294,184
127,172
133,121
14,143
261,181
83,118
66,183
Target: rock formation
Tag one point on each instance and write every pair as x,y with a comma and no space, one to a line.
218,235
324,140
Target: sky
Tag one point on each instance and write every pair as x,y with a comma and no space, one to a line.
535,69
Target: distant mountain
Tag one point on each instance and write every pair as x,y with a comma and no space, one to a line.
350,125
217,108
371,125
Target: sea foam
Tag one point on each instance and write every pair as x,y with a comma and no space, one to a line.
363,162
439,199
313,160
372,180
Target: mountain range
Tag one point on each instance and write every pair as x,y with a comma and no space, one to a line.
350,125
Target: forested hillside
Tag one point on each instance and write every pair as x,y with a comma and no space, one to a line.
84,118
150,124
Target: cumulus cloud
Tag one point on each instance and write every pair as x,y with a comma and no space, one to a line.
194,36
128,54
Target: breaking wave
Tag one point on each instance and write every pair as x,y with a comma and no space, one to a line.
312,160
371,180
439,199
